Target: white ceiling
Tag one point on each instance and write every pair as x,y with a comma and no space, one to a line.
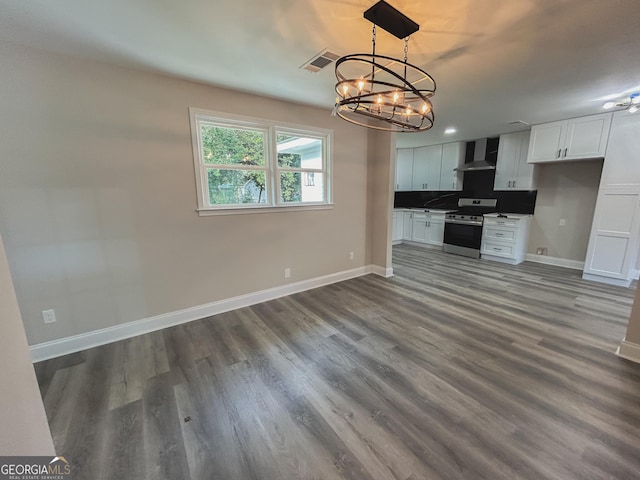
494,61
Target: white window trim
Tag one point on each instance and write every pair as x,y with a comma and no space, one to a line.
272,169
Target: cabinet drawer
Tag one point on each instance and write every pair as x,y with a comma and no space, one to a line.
505,222
497,249
494,233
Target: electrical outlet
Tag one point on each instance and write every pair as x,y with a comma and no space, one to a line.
287,272
541,251
49,316
563,222
350,255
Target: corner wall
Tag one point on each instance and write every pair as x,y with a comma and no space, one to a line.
24,423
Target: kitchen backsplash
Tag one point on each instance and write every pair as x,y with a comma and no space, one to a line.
508,202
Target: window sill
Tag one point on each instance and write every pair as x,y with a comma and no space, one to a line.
211,212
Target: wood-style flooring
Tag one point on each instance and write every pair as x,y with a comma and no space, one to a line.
453,369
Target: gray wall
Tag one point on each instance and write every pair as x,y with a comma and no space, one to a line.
24,424
565,191
97,197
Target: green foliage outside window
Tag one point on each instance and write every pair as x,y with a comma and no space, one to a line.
230,146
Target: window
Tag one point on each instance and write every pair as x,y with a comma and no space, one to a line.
248,164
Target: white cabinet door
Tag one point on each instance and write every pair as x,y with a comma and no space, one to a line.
512,170
435,232
419,228
398,220
547,142
404,169
407,225
508,155
587,137
621,167
452,158
575,139
427,163
525,178
614,234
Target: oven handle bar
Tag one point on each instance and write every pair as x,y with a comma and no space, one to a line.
463,222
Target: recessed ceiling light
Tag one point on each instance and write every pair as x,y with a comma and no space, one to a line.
450,130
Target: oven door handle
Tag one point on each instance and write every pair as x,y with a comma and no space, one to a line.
463,222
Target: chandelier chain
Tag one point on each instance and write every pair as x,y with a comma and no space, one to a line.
406,49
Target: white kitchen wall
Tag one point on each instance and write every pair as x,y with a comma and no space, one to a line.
566,191
97,197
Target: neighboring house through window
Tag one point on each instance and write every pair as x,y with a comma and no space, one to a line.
245,164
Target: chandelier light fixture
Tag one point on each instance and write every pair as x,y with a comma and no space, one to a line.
631,103
393,91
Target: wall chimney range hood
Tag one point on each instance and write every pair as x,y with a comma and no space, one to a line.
479,159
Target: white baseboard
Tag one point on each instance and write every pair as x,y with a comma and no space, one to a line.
382,271
635,274
618,282
76,343
559,262
629,351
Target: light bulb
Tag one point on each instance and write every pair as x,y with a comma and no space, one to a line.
395,97
425,108
360,84
379,99
609,105
408,111
634,108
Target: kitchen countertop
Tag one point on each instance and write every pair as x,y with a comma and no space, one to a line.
508,215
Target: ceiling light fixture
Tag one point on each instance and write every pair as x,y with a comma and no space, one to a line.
393,91
450,131
631,103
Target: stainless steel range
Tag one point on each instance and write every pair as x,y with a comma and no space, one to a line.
463,228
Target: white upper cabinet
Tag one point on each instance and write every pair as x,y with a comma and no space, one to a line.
452,158
621,162
546,142
512,170
404,169
430,168
427,162
574,139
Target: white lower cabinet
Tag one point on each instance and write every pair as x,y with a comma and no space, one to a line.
407,226
505,239
398,220
428,228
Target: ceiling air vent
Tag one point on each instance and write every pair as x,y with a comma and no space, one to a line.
319,61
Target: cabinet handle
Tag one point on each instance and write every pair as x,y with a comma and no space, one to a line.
559,152
514,184
498,249
565,152
499,234
500,223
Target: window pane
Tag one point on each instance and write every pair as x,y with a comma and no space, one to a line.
224,146
229,187
301,187
298,151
